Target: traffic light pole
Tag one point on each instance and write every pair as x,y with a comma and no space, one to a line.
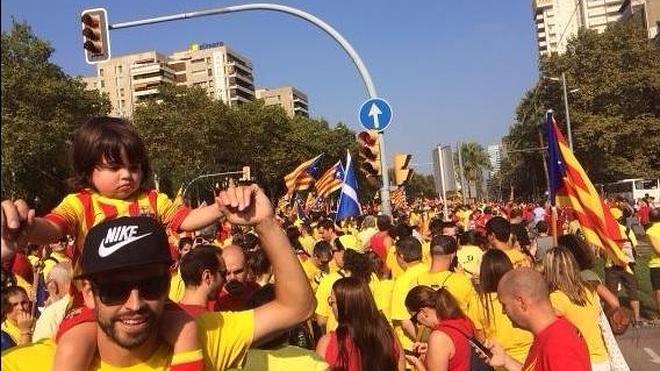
357,61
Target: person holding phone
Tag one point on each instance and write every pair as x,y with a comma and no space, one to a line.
448,344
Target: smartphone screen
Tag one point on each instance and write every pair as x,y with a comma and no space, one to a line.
410,353
480,348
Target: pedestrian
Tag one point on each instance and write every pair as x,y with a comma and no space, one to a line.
18,320
363,339
498,232
203,272
447,347
577,301
557,343
653,234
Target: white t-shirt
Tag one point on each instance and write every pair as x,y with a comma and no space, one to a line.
539,214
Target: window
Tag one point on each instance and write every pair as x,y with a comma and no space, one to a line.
121,92
122,104
102,84
101,72
119,70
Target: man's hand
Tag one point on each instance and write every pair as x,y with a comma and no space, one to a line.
17,217
24,321
245,205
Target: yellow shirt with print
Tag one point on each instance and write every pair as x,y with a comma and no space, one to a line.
497,326
469,259
225,336
654,233
585,318
402,286
458,285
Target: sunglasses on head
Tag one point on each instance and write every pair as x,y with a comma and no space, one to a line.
117,292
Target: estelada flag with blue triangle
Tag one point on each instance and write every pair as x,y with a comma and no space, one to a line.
348,198
303,176
570,186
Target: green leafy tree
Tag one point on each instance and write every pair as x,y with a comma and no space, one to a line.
41,108
421,185
475,162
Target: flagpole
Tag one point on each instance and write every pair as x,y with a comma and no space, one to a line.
343,181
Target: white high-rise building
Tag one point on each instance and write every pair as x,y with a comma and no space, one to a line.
495,157
556,21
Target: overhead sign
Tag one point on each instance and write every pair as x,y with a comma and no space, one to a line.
375,114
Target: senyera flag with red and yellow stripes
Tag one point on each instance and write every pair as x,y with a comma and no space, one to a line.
570,186
303,176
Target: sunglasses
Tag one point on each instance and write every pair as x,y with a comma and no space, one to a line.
115,293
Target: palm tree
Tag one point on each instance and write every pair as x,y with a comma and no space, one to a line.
475,161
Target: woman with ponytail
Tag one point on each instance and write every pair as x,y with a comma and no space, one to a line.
363,340
448,347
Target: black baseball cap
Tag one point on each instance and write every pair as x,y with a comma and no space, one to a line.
123,243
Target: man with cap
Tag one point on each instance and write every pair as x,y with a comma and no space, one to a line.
125,279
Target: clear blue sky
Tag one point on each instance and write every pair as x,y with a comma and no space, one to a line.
452,70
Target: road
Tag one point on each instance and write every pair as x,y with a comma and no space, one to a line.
641,348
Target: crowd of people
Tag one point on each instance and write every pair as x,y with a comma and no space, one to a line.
120,276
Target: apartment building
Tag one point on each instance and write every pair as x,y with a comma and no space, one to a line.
494,157
556,21
647,12
129,79
293,101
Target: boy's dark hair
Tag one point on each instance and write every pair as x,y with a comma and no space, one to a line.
8,292
383,223
542,226
435,226
185,241
257,263
409,248
111,139
327,224
500,227
194,263
443,245
322,249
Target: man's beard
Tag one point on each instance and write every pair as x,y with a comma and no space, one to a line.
135,340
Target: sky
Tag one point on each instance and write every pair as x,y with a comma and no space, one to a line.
452,70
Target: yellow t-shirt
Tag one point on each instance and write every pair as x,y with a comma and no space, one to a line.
286,358
307,243
458,285
514,340
469,259
585,318
518,259
177,287
225,336
323,293
402,286
654,234
393,265
58,256
383,297
40,356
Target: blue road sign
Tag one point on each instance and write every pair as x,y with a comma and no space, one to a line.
375,114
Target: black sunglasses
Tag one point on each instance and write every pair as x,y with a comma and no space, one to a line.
117,292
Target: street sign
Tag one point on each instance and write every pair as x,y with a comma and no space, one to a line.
375,114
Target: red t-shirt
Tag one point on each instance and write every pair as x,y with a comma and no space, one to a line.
558,347
228,302
193,310
458,330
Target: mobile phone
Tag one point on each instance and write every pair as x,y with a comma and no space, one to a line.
410,353
480,348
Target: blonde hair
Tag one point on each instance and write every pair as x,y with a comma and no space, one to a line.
562,273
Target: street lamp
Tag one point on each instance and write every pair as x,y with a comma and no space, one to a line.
568,117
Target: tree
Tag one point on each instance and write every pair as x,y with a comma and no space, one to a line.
475,162
615,114
41,108
421,185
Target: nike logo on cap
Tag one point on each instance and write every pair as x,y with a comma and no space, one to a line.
119,237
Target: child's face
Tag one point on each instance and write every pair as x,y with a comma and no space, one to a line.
116,180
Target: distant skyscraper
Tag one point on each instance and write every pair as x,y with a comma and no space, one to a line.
224,74
556,21
495,157
291,99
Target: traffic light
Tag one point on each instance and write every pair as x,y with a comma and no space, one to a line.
369,153
95,35
402,174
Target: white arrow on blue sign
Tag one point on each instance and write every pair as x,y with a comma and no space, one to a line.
375,114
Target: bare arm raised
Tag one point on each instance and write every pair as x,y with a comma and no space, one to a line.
294,302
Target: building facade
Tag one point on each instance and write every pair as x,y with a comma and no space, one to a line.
647,12
224,74
494,157
556,21
293,101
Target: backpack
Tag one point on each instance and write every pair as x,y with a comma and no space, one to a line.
476,362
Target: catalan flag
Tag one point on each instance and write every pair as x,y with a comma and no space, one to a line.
398,197
330,181
570,186
303,176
